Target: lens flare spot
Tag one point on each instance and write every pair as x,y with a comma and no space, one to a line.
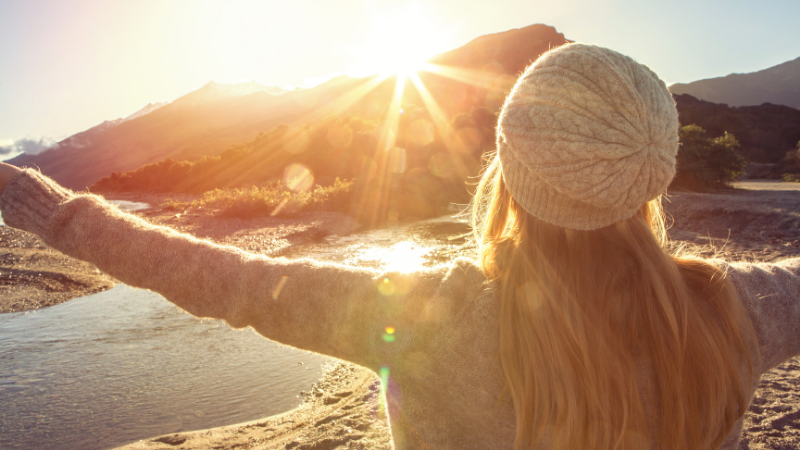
279,207
397,160
279,287
298,178
389,330
386,287
388,337
383,373
422,132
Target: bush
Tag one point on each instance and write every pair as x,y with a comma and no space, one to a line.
270,200
705,163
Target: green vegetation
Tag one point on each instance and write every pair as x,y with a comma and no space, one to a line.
707,163
791,165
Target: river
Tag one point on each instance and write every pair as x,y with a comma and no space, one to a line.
122,365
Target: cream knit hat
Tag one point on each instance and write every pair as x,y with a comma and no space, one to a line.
587,136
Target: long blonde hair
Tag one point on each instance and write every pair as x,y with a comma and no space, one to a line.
606,340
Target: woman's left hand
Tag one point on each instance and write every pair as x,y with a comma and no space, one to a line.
7,172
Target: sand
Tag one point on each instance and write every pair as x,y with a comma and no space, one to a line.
760,221
33,276
343,410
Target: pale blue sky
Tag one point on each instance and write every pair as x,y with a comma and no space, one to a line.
67,65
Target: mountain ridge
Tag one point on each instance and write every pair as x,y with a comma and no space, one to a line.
779,85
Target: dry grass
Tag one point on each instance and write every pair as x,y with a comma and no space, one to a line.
271,200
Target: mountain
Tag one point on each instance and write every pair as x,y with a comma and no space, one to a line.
207,121
202,122
779,85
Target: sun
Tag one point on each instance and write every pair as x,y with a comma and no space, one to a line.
400,42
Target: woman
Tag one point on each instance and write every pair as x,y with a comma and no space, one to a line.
575,328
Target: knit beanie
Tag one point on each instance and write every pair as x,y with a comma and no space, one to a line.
586,137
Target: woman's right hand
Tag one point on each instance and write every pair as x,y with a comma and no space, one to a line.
7,172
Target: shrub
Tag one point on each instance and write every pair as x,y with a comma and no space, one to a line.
276,199
791,177
705,163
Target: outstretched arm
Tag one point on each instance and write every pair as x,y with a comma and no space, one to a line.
771,295
326,308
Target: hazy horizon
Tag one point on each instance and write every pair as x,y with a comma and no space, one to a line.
72,65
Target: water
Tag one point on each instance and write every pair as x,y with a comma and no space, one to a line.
122,365
124,205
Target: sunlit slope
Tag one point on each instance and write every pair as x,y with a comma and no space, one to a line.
779,85
207,121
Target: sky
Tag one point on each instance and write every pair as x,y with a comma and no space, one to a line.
68,65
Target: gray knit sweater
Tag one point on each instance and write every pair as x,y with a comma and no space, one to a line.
444,376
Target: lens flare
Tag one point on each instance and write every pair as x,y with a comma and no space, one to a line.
279,287
383,373
298,178
386,287
397,160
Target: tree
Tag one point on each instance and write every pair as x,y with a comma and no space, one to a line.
705,163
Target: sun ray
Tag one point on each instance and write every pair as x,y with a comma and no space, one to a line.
350,98
440,122
472,77
387,139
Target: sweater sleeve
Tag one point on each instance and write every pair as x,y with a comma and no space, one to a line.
771,295
331,309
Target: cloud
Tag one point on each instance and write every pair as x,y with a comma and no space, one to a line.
24,145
